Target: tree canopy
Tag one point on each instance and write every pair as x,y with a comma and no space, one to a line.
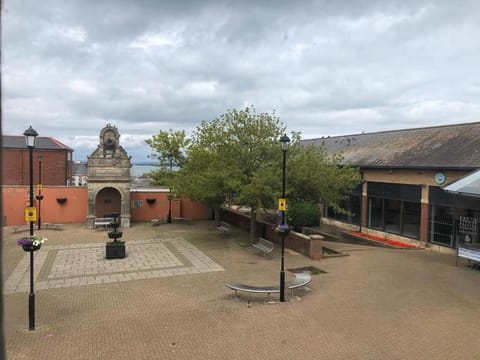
169,149
239,153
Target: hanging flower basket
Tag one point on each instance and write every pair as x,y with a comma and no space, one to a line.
282,230
31,243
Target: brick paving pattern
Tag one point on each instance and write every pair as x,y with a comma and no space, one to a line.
374,304
85,264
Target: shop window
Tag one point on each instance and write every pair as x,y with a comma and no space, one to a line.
393,212
375,213
441,225
394,208
411,219
352,204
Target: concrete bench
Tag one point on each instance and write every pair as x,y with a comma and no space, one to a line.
265,246
105,222
223,227
300,280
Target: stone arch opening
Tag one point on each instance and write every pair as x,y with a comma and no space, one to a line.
109,179
108,201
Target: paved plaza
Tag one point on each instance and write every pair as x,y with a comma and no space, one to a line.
85,264
167,300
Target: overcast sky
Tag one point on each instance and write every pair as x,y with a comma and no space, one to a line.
326,67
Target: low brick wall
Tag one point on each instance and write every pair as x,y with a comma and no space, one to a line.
308,245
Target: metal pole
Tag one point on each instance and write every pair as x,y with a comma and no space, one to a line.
39,193
31,298
169,217
282,270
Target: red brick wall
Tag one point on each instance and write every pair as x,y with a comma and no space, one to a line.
157,208
303,244
15,198
74,210
56,169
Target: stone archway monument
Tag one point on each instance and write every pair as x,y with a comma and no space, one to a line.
109,179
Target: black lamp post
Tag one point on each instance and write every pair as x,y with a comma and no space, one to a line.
30,137
285,140
169,217
39,195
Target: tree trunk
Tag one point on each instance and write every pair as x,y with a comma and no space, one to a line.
216,215
253,225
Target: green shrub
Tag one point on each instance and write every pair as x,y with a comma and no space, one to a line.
303,214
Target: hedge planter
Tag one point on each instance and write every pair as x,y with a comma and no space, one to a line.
115,250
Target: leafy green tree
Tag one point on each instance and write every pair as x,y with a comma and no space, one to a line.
169,149
240,153
303,213
236,153
315,176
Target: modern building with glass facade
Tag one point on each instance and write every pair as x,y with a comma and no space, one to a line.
404,173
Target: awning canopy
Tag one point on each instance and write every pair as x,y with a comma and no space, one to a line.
468,185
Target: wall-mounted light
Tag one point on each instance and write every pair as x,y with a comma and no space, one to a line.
61,200
151,201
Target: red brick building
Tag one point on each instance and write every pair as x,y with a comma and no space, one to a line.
51,158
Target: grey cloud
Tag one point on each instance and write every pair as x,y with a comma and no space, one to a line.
326,67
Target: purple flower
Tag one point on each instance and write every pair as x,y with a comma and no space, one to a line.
24,241
32,240
282,228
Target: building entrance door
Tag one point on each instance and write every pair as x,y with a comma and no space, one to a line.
108,201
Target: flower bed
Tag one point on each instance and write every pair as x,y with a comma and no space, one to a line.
394,243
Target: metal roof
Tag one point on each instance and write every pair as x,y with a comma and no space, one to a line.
441,147
43,143
468,185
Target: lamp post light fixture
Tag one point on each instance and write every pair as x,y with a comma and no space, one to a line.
285,141
30,138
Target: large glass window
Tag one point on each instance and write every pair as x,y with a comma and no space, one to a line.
375,213
411,219
393,214
352,204
394,208
441,225
454,219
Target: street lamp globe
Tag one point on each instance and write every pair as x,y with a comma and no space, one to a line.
30,137
285,140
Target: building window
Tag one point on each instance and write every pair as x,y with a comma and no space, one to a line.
394,208
442,225
352,204
454,219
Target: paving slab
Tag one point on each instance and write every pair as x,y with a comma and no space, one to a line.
373,304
